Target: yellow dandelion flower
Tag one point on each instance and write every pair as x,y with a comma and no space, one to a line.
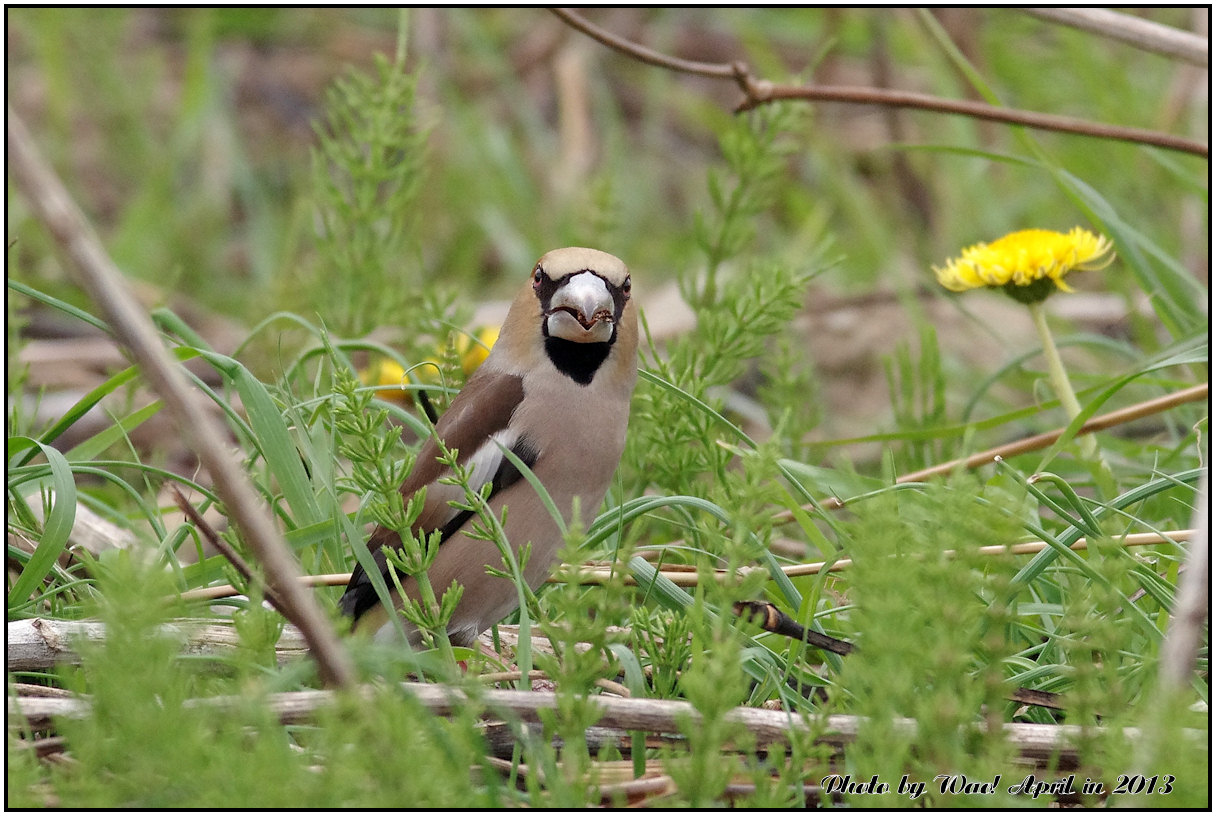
1029,264
474,349
388,377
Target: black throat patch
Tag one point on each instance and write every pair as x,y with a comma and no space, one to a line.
578,361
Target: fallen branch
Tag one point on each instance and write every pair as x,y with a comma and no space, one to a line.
40,643
1032,741
1184,634
757,92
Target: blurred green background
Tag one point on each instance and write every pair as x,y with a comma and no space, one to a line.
185,135
188,138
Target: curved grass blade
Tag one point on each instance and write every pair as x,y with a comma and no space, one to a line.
55,530
272,437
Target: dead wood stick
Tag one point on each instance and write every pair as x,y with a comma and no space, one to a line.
1184,635
108,289
598,573
39,643
1039,743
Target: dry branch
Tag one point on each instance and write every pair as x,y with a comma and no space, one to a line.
688,576
758,92
1143,34
107,288
598,574
212,593
1185,632
1039,743
1195,393
39,643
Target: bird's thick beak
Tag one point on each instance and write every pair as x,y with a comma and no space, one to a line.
582,310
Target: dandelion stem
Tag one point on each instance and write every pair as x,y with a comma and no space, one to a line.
1064,392
1055,366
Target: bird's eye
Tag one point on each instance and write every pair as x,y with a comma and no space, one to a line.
536,275
627,285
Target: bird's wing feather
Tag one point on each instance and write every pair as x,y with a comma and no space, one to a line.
478,425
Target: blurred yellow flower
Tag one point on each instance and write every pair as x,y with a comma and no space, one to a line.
1028,264
391,378
474,349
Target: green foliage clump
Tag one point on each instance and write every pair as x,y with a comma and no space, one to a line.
367,171
738,311
143,745
146,744
935,633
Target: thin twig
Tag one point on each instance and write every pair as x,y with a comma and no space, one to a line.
226,550
690,578
1122,416
761,93
643,54
214,593
1135,31
1029,444
106,286
599,573
758,92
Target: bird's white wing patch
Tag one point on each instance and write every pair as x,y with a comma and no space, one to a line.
484,463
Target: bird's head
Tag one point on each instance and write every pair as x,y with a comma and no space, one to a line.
582,294
576,313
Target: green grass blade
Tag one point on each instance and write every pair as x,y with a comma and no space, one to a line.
272,437
97,444
55,530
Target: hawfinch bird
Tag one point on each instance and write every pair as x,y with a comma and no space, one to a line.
555,391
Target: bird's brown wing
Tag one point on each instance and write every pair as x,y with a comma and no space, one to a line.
477,424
